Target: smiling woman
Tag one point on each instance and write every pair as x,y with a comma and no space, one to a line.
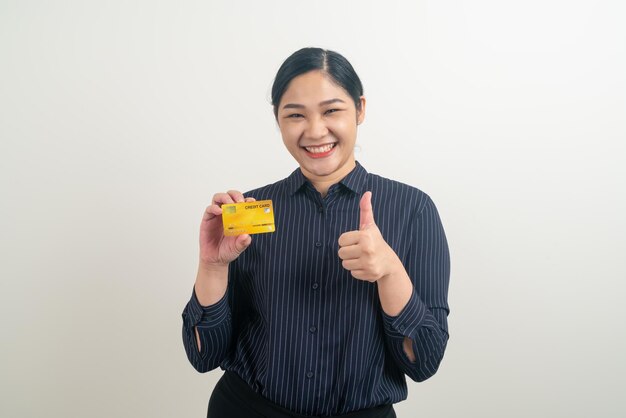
327,315
318,123
318,103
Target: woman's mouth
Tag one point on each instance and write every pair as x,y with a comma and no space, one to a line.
320,151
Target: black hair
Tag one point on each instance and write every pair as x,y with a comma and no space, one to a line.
331,63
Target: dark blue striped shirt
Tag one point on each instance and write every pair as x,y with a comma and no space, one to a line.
300,329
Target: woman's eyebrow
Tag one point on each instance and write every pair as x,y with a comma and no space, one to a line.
293,106
300,106
331,101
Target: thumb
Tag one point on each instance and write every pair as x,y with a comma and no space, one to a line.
242,242
366,212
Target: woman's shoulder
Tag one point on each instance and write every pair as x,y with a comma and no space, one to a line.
395,191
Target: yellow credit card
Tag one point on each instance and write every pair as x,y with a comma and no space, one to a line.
248,218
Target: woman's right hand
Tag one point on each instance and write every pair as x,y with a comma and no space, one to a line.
217,250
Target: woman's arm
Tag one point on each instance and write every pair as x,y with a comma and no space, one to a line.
417,334
412,291
207,317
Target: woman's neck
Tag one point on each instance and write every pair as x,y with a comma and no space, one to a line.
323,183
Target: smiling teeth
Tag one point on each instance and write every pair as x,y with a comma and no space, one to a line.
318,150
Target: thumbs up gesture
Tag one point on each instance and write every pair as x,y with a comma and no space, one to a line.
365,253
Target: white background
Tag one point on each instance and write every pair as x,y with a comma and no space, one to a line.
120,119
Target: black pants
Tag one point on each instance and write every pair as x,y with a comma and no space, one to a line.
233,398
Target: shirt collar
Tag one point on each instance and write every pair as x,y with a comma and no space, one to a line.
356,180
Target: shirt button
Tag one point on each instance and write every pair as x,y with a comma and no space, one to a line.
315,286
401,327
309,375
320,209
313,329
318,244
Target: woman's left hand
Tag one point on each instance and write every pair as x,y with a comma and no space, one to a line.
365,253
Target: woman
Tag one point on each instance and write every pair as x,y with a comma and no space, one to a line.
325,316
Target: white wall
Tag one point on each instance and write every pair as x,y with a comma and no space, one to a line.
120,119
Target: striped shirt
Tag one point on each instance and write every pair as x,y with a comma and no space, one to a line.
299,329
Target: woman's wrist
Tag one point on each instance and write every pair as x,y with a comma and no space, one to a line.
212,269
211,283
394,289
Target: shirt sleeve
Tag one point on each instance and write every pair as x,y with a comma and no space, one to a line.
424,318
214,326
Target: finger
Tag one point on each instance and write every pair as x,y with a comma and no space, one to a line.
349,252
236,195
351,264
242,242
360,274
222,198
211,212
349,238
366,211
250,199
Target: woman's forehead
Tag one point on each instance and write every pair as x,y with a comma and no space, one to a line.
314,88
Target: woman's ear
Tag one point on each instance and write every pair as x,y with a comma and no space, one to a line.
360,112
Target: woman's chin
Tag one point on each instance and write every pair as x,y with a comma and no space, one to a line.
327,167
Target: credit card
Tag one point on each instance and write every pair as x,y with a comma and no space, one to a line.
248,218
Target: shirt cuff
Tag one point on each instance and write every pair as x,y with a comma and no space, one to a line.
206,316
408,321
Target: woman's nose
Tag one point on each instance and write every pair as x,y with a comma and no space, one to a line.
316,128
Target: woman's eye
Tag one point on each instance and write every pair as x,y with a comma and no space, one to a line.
295,115
331,111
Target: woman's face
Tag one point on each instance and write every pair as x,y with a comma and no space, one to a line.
318,122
